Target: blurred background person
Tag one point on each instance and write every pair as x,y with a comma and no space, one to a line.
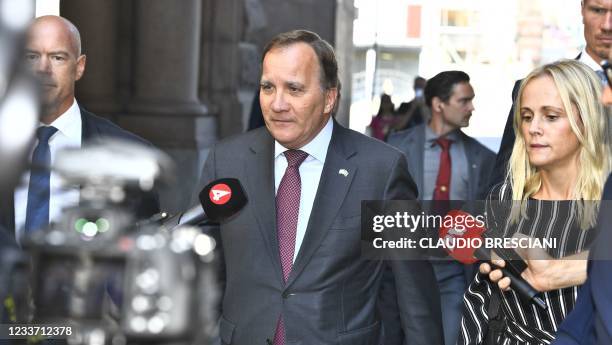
413,113
383,121
558,155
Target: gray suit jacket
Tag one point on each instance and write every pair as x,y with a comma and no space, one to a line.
330,296
480,159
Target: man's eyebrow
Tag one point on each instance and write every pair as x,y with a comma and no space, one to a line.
58,52
596,7
294,84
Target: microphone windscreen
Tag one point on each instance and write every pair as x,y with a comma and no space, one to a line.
222,199
463,236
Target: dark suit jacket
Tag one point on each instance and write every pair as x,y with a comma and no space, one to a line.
330,296
480,159
500,169
92,127
590,322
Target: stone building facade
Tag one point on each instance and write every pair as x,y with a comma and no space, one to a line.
182,73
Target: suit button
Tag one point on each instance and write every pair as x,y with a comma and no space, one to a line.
287,295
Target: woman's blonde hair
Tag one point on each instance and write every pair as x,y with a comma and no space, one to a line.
579,89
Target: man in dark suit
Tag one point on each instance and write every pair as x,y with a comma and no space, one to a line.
598,36
431,148
449,96
293,269
590,322
53,51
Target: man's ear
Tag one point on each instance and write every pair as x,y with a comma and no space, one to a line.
80,67
331,97
436,104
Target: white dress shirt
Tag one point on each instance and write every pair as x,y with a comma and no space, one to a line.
310,175
586,59
69,130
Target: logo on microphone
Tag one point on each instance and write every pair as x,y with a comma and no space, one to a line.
462,236
220,194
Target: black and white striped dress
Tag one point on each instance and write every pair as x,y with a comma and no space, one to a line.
525,322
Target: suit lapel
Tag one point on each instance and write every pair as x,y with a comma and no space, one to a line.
259,166
332,190
473,160
416,150
87,134
87,126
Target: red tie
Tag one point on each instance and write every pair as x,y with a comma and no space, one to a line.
442,189
287,211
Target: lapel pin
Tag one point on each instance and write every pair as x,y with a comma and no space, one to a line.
343,172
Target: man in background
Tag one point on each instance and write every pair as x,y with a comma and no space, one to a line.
590,322
53,51
447,165
597,20
413,113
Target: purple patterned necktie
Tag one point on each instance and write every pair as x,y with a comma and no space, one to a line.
287,210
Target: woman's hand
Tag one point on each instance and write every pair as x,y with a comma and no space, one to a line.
543,272
495,275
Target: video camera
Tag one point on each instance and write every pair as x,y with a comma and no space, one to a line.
97,270
114,280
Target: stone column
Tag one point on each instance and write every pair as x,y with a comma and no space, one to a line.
164,106
98,24
345,14
221,62
165,70
166,51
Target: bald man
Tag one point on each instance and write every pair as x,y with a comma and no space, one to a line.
53,51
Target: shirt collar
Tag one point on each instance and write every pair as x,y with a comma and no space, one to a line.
586,59
317,147
69,123
431,137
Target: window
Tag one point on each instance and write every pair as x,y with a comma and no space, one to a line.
458,18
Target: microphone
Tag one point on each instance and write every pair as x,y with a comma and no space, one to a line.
219,200
470,254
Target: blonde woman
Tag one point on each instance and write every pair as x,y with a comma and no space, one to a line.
556,174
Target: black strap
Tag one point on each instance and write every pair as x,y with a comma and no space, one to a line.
496,318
